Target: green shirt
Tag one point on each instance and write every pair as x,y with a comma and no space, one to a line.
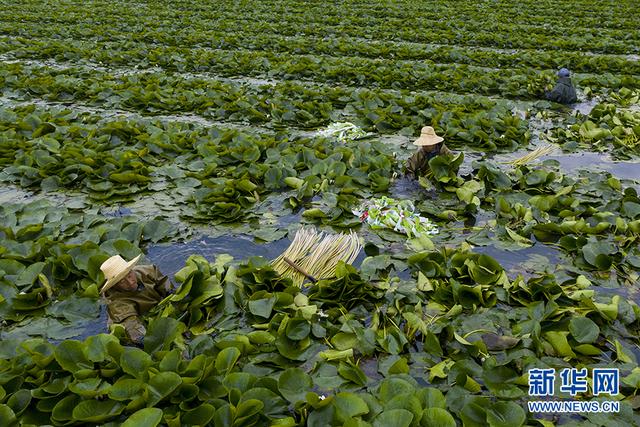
126,306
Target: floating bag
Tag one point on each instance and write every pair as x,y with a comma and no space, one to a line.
343,132
399,216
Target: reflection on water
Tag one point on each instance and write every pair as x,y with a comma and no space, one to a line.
171,257
627,293
585,107
525,261
572,162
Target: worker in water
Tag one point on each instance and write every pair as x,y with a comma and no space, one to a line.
131,290
563,92
430,145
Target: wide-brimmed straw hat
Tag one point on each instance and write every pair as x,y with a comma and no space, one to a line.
115,269
428,137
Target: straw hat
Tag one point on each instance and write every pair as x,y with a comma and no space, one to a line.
115,269
428,137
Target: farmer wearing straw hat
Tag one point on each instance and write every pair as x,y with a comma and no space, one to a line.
431,145
563,92
131,290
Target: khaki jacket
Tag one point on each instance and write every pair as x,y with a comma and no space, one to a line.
125,307
418,164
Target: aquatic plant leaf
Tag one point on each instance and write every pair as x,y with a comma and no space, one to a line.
293,384
7,416
584,330
247,409
89,388
19,401
437,417
75,308
273,404
474,412
297,329
200,415
71,355
135,362
505,414
596,253
126,389
396,417
521,241
391,387
29,275
156,230
226,359
97,411
63,410
161,386
349,405
262,307
161,333
431,398
486,270
146,417
559,342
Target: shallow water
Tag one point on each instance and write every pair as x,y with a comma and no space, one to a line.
525,261
572,162
585,107
171,257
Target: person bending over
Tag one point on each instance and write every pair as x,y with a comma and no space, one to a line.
430,145
563,92
132,290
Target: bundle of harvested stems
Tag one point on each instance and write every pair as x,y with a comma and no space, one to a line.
532,156
314,255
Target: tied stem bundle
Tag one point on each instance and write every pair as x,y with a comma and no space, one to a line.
532,156
316,255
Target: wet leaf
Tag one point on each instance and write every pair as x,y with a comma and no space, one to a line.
293,384
147,417
584,330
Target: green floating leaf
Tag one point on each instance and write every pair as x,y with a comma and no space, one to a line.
98,347
437,417
297,329
160,386
432,398
72,357
559,342
226,359
349,405
506,414
7,416
262,307
163,332
293,384
246,410
126,389
147,417
89,388
199,416
156,230
584,330
393,417
97,411
135,362
598,254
